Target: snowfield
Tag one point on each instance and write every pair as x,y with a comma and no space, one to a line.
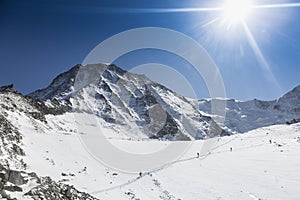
263,164
51,132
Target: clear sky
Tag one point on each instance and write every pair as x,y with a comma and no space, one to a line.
259,58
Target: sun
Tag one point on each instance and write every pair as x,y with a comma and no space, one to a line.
236,11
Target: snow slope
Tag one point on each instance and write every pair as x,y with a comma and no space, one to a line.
263,163
249,115
128,102
255,169
20,114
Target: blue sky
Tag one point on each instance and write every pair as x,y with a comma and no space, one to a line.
40,39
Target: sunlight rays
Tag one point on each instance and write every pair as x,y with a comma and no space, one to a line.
210,22
236,11
198,9
283,5
232,14
258,53
255,47
162,10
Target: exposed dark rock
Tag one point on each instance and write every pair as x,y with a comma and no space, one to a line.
293,121
170,129
8,130
115,68
12,180
18,150
10,145
49,189
64,174
13,188
55,109
16,177
262,104
8,88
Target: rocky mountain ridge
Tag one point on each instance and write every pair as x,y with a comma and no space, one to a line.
15,180
243,116
128,101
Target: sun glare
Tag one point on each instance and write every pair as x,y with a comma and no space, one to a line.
236,11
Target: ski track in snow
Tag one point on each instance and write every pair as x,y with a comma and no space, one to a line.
259,164
255,169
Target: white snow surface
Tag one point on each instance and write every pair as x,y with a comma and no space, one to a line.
254,169
262,163
127,101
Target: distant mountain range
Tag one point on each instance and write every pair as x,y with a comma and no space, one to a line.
249,115
121,97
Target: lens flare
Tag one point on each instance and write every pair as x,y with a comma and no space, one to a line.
236,11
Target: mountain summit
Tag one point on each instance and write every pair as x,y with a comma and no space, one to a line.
128,102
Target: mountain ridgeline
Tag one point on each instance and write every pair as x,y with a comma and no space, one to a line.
128,106
249,115
130,102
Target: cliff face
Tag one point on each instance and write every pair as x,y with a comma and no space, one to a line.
128,102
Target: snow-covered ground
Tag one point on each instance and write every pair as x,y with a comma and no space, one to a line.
263,164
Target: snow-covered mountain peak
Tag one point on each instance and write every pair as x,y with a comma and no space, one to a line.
8,88
78,77
61,86
290,102
128,102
